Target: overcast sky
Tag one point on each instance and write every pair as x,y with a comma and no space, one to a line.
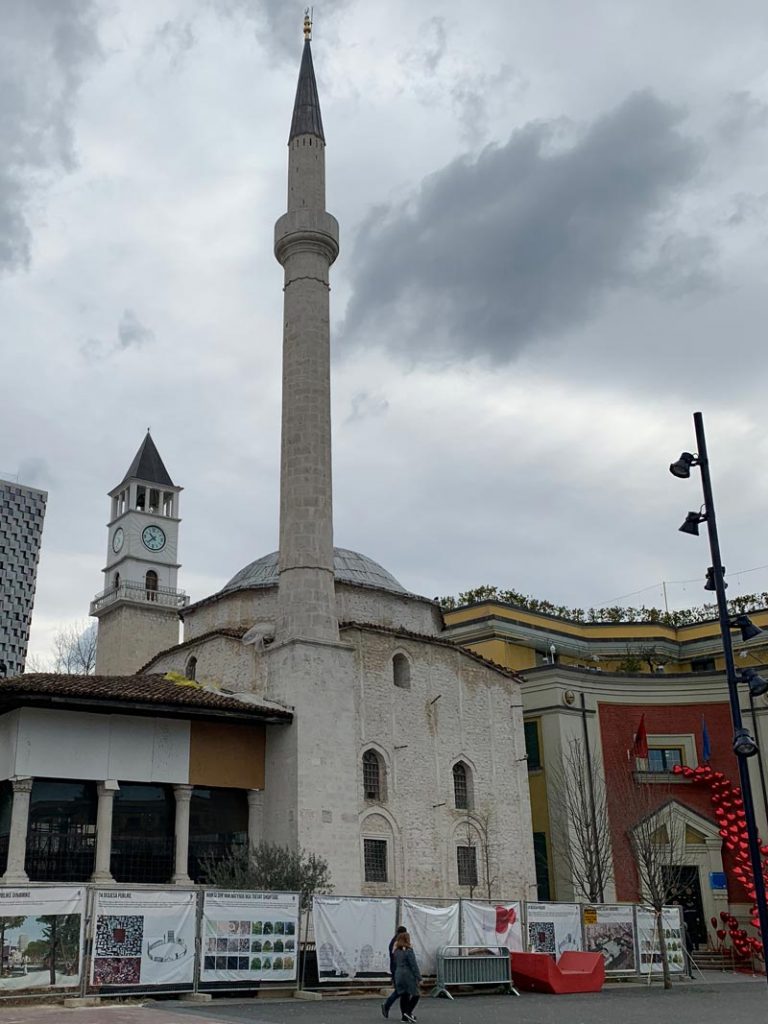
553,250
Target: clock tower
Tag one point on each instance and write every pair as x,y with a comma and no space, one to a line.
138,609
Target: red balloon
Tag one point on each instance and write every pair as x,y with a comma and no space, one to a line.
720,934
713,922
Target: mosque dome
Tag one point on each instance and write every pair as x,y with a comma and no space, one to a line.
348,567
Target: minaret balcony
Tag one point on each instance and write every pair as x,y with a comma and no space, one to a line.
134,592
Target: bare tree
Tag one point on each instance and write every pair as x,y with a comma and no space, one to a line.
478,831
656,840
580,825
74,649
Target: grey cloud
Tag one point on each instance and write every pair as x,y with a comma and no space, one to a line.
744,114
45,48
471,93
523,241
426,58
366,405
177,38
131,332
748,207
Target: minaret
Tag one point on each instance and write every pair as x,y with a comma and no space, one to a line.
138,609
306,244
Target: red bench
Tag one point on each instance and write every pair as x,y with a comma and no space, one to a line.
573,972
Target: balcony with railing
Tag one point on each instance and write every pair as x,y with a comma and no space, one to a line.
139,593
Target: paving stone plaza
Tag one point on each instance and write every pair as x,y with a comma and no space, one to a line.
722,997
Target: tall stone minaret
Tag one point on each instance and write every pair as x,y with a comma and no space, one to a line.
306,244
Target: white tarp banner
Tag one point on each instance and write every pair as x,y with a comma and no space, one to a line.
353,936
41,937
488,924
143,937
553,927
610,929
648,940
249,936
430,928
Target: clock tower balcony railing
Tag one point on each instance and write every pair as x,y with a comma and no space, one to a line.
139,593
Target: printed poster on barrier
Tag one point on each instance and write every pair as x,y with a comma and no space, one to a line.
41,937
430,928
353,936
648,940
553,927
488,924
249,936
143,938
610,930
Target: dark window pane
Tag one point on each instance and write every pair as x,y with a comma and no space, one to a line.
218,820
375,858
460,790
532,745
542,864
466,861
371,776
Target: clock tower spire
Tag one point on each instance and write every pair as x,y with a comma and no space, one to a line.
139,605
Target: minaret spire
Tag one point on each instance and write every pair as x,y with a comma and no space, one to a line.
306,244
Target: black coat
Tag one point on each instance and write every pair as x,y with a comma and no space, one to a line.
407,974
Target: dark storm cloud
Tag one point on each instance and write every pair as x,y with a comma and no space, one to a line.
45,46
523,241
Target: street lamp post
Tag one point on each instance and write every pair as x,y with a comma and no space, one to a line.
743,744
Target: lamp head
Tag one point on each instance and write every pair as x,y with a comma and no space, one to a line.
682,468
743,744
691,524
748,629
710,580
757,685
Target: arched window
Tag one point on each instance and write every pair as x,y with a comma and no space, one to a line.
462,786
117,581
373,776
191,670
401,671
150,583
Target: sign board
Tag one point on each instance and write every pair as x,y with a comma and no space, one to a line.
249,936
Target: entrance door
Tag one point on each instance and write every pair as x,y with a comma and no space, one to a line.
689,897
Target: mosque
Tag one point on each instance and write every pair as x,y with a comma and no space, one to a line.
313,701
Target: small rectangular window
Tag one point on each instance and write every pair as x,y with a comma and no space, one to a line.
375,860
703,665
663,759
466,862
532,748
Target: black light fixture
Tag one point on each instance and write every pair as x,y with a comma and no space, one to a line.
691,524
682,468
748,629
757,685
710,581
743,744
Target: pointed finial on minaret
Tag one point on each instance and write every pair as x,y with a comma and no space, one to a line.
307,24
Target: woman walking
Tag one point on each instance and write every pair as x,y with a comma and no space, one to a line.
407,977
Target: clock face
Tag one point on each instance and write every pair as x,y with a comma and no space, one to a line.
117,539
153,538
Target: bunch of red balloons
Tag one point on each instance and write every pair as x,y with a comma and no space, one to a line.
728,809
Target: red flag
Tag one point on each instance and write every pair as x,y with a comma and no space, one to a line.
641,739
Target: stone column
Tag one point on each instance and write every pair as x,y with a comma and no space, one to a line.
183,795
102,869
255,815
15,873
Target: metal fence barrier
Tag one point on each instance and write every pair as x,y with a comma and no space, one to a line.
472,965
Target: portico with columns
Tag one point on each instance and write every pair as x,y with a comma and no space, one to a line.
125,797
